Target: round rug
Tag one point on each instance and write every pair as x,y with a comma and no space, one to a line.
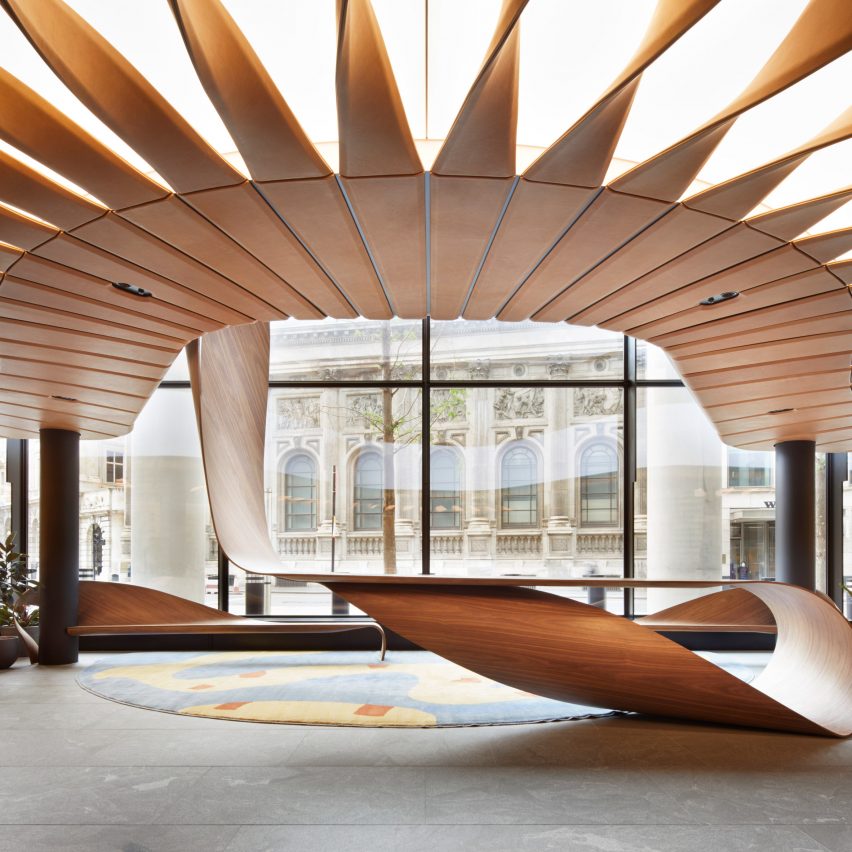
414,689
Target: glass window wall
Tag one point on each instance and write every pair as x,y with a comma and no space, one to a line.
526,427
144,516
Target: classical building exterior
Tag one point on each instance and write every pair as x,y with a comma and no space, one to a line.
527,470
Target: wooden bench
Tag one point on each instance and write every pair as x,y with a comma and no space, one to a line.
116,609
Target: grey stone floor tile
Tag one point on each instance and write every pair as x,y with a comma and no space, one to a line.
83,795
53,716
583,745
117,838
834,838
549,795
522,838
270,746
394,747
309,795
723,748
746,796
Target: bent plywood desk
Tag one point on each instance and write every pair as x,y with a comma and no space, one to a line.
117,609
525,637
571,651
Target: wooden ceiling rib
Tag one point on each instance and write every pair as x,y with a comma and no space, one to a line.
296,240
473,173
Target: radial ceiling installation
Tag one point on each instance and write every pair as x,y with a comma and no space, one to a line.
125,233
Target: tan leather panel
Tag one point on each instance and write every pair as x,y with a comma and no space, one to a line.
43,355
36,127
374,135
676,233
23,232
536,217
26,189
40,270
317,212
90,396
481,142
392,213
656,299
120,96
693,323
611,219
60,338
268,135
174,221
76,321
112,241
722,414
243,214
75,375
38,295
464,214
778,319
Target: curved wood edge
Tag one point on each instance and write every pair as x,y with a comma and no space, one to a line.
811,669
569,651
114,609
229,373
728,610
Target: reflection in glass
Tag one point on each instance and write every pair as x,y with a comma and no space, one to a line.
512,475
653,364
519,488
533,351
445,481
143,504
369,484
599,486
703,510
345,350
300,493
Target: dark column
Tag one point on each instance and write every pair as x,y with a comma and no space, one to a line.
59,545
795,519
16,476
836,467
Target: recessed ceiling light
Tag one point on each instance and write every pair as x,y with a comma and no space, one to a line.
63,398
780,410
132,288
721,297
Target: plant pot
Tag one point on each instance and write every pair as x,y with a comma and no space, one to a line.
8,651
10,631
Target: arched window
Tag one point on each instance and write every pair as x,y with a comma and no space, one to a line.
599,486
519,488
445,482
300,493
367,493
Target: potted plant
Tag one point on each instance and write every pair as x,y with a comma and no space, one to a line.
18,615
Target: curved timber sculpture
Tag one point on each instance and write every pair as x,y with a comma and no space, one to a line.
526,638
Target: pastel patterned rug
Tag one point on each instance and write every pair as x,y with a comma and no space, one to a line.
414,689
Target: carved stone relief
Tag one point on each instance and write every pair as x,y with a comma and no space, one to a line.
298,412
590,402
519,403
363,409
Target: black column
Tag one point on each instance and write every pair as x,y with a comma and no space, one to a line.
59,545
16,476
795,516
836,467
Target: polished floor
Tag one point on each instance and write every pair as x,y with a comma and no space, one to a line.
85,774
